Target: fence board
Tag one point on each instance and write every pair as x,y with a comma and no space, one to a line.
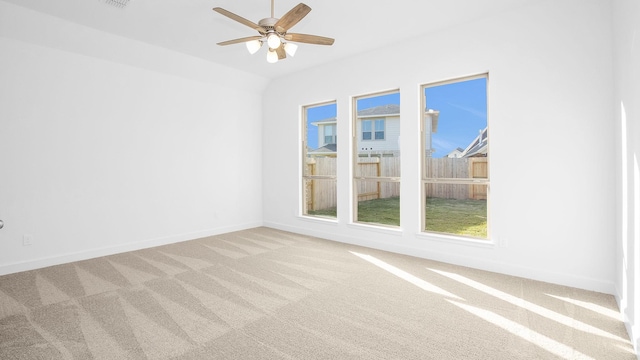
321,194
479,170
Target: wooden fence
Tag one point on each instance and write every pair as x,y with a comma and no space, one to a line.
377,166
457,168
322,193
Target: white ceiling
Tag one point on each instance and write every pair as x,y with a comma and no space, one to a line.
191,27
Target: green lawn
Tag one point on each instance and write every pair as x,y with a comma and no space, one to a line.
458,217
380,211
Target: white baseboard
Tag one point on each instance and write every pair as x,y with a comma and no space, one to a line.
110,250
632,331
456,259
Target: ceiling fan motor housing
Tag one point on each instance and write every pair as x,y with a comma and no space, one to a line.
268,24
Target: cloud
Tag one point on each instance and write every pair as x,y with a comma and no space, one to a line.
443,147
472,111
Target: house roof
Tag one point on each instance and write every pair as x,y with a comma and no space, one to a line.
478,147
386,110
327,149
325,121
389,109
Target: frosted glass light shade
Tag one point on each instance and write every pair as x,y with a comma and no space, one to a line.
272,56
253,46
290,49
273,40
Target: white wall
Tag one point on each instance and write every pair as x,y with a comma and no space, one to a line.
550,94
108,145
627,132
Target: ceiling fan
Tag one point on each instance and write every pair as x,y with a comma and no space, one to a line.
275,33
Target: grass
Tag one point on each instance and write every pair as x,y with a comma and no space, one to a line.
459,217
380,211
330,212
450,216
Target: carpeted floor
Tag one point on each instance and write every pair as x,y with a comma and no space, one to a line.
268,294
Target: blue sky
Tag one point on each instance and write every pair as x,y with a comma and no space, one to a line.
463,113
462,106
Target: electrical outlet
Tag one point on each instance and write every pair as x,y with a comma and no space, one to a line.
27,240
503,242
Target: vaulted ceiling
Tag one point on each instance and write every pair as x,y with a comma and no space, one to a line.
191,27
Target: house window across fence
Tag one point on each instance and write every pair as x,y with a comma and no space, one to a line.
373,129
376,144
319,155
455,158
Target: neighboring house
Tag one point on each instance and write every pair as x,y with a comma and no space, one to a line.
431,127
378,131
478,147
328,150
456,153
326,131
327,138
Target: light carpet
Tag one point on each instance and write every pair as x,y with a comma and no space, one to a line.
268,294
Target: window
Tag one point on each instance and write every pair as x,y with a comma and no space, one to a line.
330,134
366,130
376,183
455,157
319,155
377,129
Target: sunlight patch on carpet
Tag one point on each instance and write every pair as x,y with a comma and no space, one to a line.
589,306
523,332
424,285
537,309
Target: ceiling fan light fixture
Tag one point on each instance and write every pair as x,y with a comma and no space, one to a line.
290,48
272,56
273,31
274,40
253,46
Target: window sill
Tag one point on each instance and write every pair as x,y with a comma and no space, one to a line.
318,219
377,228
456,240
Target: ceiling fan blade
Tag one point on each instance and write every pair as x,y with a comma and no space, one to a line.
309,39
291,18
240,19
281,53
240,40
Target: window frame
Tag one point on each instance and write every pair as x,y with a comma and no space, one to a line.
304,177
355,135
424,179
